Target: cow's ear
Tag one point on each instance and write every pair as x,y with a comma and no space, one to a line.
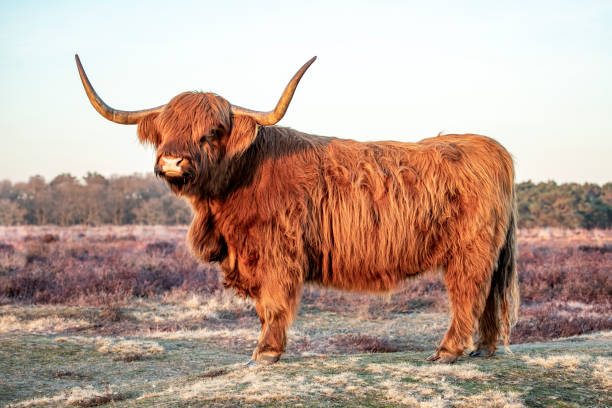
147,130
244,130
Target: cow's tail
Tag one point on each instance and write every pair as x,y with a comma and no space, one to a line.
504,284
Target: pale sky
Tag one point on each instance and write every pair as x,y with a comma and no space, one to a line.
535,75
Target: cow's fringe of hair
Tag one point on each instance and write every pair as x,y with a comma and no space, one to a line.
507,288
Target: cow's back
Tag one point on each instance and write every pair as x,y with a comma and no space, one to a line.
388,210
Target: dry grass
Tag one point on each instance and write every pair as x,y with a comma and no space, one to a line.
197,368
602,370
256,386
599,367
414,395
564,361
13,324
74,397
120,346
219,303
204,334
358,379
430,373
490,399
268,384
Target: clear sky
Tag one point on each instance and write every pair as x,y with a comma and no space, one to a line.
535,75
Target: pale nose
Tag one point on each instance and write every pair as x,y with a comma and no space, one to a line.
171,164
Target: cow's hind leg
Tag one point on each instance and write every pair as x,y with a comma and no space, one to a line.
502,302
467,277
488,329
276,312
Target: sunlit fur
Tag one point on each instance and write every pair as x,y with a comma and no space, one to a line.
278,208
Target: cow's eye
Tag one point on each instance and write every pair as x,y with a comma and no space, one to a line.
209,136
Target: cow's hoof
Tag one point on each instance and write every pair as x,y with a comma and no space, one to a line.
482,353
267,359
443,357
263,360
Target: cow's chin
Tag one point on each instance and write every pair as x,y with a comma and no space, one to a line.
178,181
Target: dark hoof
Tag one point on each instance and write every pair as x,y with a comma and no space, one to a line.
433,357
263,360
447,359
442,357
481,353
268,359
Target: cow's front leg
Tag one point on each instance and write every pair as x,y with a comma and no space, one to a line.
276,309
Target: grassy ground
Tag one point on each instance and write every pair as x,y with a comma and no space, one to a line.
57,356
124,316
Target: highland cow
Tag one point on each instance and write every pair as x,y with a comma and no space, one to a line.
278,208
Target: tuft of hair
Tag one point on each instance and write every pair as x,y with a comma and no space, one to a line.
505,286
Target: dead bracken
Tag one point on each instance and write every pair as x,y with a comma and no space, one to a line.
362,343
564,290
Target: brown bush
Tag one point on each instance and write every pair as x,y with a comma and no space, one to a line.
565,283
362,343
552,320
6,249
160,248
44,238
98,271
594,248
564,275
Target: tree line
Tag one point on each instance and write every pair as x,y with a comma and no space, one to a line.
95,200
568,205
136,199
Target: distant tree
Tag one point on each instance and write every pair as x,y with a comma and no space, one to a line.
595,210
95,179
7,190
69,208
165,210
94,197
123,197
177,211
35,197
567,205
151,212
11,213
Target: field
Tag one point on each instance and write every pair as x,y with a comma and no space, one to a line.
123,316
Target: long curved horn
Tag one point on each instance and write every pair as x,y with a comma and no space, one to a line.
272,117
117,116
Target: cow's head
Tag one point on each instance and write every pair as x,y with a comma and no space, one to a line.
194,133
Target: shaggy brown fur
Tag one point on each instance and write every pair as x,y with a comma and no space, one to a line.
279,208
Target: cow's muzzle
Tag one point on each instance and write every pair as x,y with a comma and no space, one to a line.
170,167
